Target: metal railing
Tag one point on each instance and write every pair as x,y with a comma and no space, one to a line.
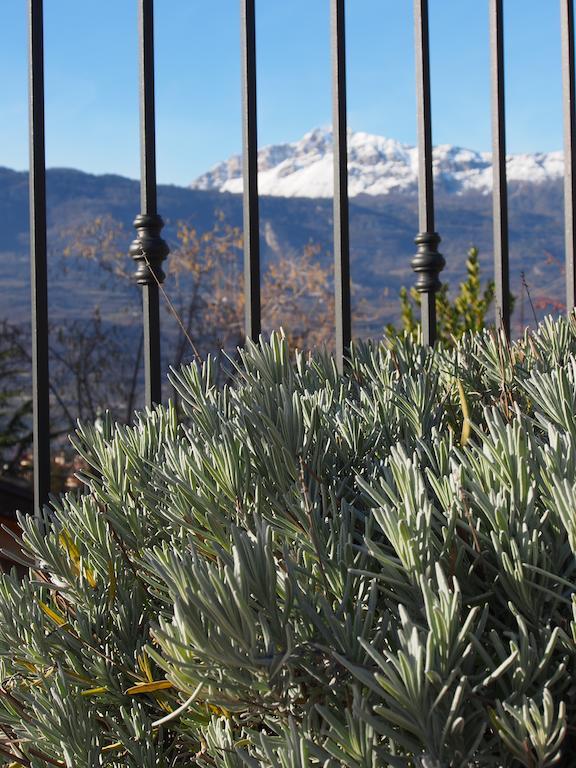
149,249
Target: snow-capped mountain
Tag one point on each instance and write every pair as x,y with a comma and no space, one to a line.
376,166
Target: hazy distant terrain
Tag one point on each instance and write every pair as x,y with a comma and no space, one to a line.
382,232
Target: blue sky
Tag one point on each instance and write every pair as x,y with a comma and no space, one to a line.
91,78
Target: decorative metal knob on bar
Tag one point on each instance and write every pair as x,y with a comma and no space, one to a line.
148,249
428,262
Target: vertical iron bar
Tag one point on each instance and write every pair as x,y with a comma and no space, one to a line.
149,249
428,262
500,189
147,111
252,310
343,310
569,94
425,175
38,258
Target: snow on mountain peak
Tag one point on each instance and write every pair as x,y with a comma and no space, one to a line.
376,166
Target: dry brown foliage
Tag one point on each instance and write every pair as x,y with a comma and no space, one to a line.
203,291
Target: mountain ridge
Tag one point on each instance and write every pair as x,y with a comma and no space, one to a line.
382,230
376,166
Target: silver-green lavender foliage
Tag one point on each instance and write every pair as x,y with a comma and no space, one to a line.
312,570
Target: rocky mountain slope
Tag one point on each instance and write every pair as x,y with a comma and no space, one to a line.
382,237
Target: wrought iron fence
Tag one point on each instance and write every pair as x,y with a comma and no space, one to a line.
149,249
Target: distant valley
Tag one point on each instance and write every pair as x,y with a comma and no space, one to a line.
383,227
